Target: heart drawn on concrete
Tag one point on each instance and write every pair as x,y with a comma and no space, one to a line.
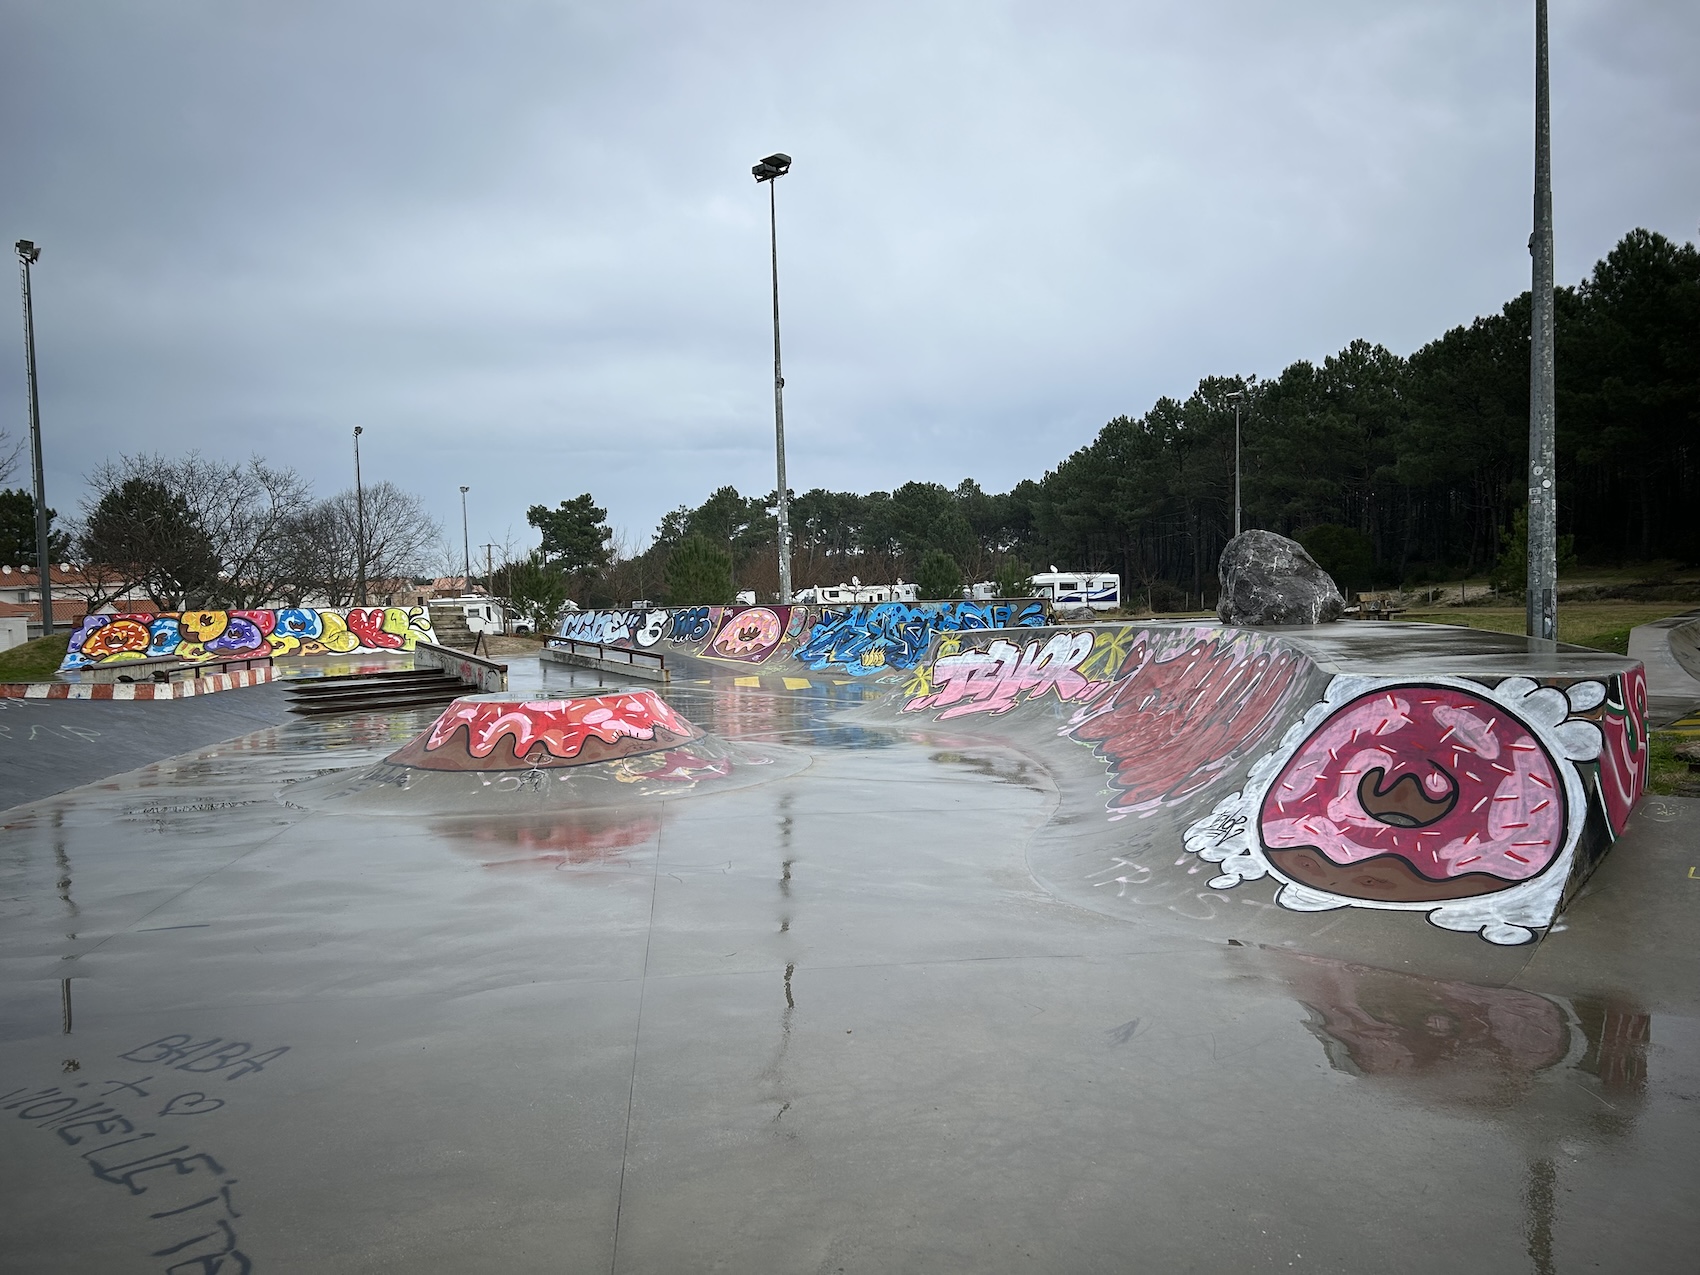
191,1104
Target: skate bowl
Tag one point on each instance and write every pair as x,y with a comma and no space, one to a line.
1465,777
891,941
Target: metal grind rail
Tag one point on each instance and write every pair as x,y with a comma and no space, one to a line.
649,665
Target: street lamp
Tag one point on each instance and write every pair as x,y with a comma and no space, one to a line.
360,514
465,544
28,255
1236,395
1541,614
770,170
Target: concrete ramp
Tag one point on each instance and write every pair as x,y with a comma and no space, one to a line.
1670,652
1321,761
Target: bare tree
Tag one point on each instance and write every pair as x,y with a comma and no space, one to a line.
324,544
192,531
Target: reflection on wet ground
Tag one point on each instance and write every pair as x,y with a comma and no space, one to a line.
1556,1073
860,1013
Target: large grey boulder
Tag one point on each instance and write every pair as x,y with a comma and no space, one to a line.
1268,579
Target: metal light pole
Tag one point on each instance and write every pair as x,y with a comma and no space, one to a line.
360,515
1236,395
465,544
769,170
1542,607
28,255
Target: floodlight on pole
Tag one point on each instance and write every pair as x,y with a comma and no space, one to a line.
465,543
1236,395
1541,615
360,521
28,255
769,170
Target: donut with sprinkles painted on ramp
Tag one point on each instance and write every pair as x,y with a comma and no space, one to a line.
1416,793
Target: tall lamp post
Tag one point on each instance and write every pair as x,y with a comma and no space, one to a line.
28,255
770,170
465,544
1236,395
360,517
1542,605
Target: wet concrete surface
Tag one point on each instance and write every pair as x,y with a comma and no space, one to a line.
877,1014
49,746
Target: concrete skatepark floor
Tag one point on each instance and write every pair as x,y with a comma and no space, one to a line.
866,1016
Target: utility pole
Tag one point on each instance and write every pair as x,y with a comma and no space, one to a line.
769,170
490,582
1542,607
28,255
466,546
360,516
1236,395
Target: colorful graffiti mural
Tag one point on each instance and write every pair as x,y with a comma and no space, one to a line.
1170,711
993,679
1444,796
859,640
1623,755
476,733
1466,802
211,635
894,636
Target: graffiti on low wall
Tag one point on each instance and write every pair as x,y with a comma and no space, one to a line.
859,641
211,635
894,636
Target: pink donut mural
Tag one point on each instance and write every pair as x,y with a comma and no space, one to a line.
749,634
1459,800
1423,792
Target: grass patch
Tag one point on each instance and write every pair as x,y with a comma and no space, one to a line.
1668,775
1602,625
35,661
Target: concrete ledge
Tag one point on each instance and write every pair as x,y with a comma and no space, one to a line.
474,670
136,690
648,666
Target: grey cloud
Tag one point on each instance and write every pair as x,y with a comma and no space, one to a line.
519,243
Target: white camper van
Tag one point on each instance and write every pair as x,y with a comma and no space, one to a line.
1100,590
856,593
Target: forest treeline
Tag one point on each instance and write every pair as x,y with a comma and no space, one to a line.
1409,469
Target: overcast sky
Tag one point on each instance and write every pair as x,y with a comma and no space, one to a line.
519,242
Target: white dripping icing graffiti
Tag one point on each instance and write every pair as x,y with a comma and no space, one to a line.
1231,836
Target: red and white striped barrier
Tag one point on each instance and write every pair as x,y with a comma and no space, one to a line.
136,690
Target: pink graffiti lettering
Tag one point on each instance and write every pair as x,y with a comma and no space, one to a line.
995,679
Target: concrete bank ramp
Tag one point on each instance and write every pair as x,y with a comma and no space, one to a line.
1457,775
1670,652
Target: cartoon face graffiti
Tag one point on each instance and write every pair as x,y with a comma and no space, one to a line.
202,626
122,636
748,634
239,634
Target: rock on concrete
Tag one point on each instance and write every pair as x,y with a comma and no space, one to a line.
1268,579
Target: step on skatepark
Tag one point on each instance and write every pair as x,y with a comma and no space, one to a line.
901,937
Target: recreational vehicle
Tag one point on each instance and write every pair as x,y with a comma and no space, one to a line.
856,593
1102,591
